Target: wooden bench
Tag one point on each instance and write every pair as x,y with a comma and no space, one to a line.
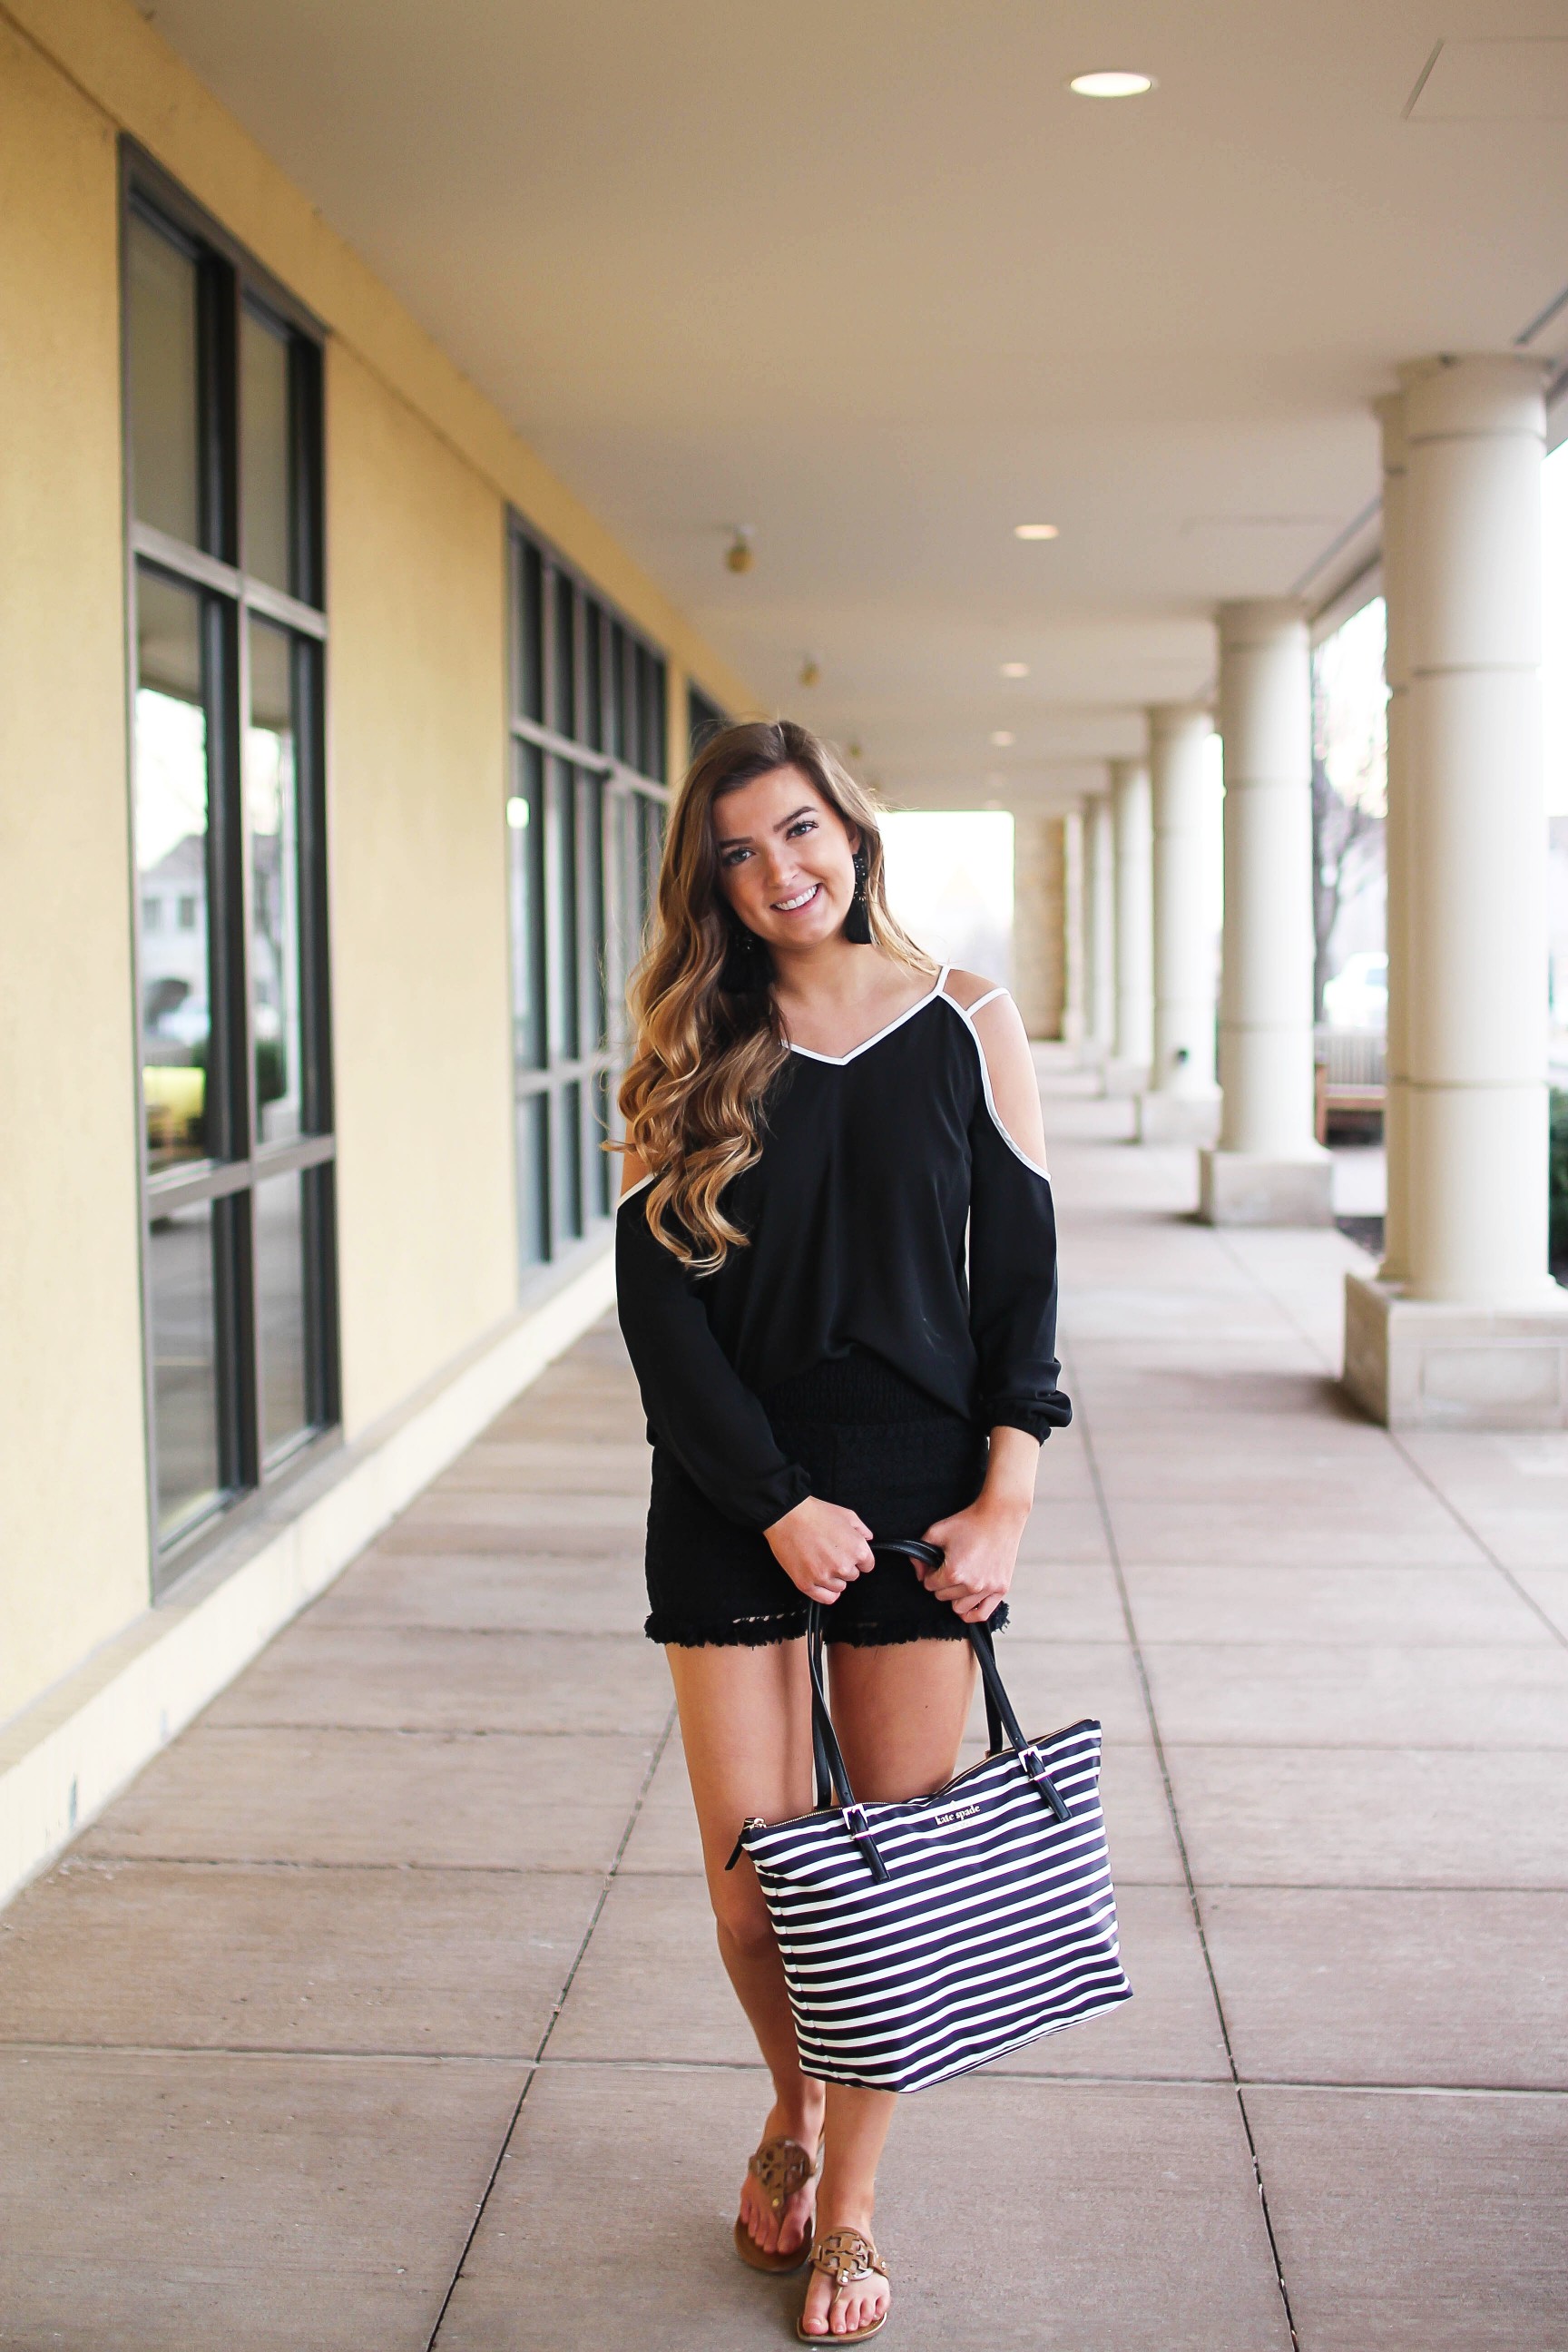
1351,1077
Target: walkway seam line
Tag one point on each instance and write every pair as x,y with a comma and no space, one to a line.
556,2008
1135,1645
1398,1443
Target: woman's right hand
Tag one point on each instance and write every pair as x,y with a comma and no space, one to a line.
821,1548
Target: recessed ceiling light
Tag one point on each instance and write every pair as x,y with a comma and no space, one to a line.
1111,85
1015,669
1002,740
1034,530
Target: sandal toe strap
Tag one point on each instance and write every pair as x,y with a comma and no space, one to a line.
782,2167
845,2257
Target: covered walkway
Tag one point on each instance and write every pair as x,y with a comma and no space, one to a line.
382,2012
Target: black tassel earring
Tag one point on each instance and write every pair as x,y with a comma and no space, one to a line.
747,967
858,921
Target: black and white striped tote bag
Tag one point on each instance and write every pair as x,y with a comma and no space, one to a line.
921,1940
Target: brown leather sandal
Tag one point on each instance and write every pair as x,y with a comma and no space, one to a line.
782,2167
847,2258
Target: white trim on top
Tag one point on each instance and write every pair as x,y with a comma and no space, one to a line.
966,1014
841,1061
632,1190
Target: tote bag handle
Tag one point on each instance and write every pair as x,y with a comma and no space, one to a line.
1003,1730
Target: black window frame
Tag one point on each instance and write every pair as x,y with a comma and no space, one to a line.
704,718
236,1159
588,720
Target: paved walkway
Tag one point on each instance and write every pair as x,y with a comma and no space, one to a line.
383,2011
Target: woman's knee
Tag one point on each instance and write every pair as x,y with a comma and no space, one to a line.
742,1917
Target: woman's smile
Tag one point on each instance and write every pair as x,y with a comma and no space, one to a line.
802,898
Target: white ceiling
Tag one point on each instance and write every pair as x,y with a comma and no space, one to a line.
864,275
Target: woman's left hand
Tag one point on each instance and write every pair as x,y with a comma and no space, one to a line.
980,1548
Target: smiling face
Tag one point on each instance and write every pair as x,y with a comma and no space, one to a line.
785,859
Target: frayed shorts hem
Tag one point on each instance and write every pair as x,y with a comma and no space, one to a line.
759,1632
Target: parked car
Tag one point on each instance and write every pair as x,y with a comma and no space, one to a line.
1357,996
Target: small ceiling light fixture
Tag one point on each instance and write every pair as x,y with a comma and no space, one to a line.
1111,85
810,670
738,555
1015,669
1003,740
1036,531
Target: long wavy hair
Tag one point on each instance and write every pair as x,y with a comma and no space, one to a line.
709,1042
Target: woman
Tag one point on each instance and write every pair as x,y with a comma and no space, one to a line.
822,1131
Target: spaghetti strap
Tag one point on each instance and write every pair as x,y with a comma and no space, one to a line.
982,1001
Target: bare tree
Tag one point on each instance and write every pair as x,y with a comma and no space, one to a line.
1348,804
1342,831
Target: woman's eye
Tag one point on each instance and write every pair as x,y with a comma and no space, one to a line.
734,856
805,825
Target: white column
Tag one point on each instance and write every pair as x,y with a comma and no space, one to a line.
1183,1101
1477,1334
1072,929
1128,1070
1396,844
1038,931
1269,1169
1100,924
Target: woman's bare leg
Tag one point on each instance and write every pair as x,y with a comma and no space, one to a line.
745,1722
899,1713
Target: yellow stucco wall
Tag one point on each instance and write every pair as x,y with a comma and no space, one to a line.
420,469
73,1524
417,835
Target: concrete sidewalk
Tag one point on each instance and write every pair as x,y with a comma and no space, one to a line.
383,2011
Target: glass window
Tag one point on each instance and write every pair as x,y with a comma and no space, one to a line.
565,712
583,838
181,1283
280,1291
529,600
525,852
266,471
163,293
650,712
591,799
622,739
593,675
172,849
603,1168
231,947
703,718
272,791
533,1179
561,925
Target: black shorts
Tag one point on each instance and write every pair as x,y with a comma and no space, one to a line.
867,1438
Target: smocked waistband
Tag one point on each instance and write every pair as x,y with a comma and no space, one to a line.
856,1387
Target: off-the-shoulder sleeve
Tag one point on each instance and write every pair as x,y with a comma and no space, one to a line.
696,1403
1012,1277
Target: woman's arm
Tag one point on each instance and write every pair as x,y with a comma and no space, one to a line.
980,1544
711,1423
1013,1308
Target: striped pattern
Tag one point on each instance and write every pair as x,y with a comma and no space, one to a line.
997,1925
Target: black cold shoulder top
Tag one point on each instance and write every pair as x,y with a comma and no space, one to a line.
889,1212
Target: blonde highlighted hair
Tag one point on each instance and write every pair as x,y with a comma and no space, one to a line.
707,1050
